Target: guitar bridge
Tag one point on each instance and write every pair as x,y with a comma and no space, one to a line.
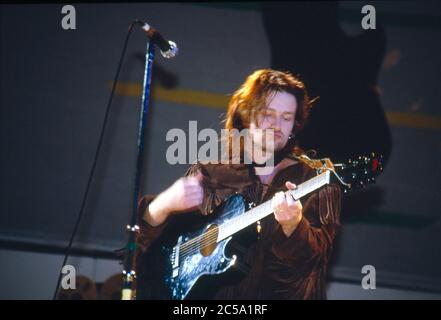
175,258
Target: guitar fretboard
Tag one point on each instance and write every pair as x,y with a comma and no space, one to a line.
259,212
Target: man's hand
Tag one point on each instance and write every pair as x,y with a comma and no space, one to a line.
287,211
184,195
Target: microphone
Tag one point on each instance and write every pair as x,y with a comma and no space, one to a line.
168,48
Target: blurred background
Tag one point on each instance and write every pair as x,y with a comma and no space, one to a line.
379,91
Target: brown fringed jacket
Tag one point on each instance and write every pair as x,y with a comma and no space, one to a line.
270,264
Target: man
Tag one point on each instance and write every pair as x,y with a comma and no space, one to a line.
287,256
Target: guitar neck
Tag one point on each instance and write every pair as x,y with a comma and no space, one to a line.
259,212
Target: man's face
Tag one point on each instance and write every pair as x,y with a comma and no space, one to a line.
279,115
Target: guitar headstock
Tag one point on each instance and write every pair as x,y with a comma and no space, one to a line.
360,171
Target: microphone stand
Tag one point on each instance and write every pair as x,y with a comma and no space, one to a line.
129,274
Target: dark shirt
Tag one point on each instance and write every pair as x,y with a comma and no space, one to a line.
271,265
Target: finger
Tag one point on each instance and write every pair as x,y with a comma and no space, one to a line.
193,188
290,200
296,207
290,185
192,181
299,205
281,204
280,198
195,200
199,176
192,184
194,193
286,196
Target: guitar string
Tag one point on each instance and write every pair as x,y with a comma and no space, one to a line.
194,242
210,237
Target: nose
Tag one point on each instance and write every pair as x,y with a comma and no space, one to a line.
277,123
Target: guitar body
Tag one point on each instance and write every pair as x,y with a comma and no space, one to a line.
174,267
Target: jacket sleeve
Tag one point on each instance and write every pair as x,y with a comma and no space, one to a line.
311,242
147,234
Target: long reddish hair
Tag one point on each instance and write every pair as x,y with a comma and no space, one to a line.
250,99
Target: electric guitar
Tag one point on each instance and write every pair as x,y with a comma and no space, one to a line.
202,252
